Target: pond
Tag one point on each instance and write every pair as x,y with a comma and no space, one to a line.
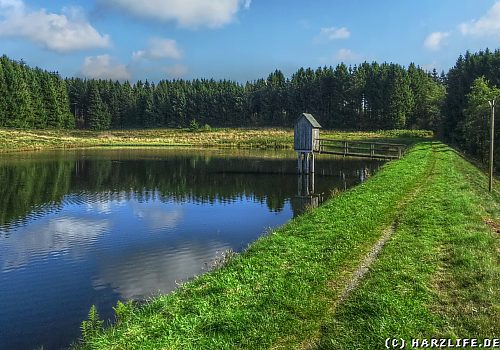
87,227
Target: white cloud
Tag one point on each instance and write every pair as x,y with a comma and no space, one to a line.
489,24
334,33
58,32
435,40
103,67
187,13
160,48
176,71
347,55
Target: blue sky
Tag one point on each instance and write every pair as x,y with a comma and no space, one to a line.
240,39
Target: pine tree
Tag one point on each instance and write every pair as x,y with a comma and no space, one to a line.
77,95
475,126
53,113
340,97
18,95
28,96
400,98
3,96
66,118
98,115
39,112
126,101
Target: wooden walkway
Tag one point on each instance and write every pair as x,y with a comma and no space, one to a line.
360,148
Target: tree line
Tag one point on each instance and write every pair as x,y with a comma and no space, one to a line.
368,96
364,97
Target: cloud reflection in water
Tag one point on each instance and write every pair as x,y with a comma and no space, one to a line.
139,274
56,235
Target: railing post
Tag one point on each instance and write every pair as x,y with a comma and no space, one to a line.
300,163
372,150
399,151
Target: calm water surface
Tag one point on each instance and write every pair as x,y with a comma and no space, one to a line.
96,226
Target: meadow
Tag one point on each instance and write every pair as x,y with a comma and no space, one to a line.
28,140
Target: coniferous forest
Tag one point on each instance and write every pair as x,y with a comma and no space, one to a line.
369,96
32,98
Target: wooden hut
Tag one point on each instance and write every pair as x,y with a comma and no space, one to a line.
306,141
306,134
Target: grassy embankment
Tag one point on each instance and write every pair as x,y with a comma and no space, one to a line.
25,140
437,276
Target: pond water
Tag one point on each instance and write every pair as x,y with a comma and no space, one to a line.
87,227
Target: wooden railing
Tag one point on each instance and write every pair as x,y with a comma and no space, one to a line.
361,148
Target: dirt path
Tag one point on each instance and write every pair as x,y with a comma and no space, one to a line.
364,267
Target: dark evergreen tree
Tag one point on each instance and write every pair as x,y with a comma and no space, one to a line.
17,94
400,98
99,117
24,101
340,98
50,100
3,96
37,100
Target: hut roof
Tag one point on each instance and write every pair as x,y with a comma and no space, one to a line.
311,120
